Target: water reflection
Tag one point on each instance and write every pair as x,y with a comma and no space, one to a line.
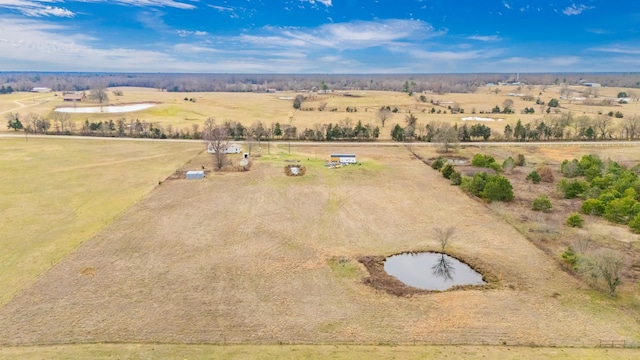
443,269
431,271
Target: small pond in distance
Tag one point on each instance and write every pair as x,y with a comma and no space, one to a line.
431,271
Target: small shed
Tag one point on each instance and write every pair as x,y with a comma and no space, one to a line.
195,174
344,158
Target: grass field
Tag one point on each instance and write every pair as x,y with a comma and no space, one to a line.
58,193
248,258
247,108
156,351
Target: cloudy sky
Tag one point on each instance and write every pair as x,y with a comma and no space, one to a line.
320,36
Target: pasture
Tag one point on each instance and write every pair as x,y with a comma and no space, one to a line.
57,193
178,111
259,258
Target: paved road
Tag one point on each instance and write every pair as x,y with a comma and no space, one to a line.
338,144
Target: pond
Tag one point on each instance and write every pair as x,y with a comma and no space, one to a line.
105,108
431,271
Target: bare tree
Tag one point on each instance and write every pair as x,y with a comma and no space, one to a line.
632,127
444,134
605,266
99,93
61,121
217,139
383,114
602,123
258,131
444,235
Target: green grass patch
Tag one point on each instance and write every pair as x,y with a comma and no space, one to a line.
344,267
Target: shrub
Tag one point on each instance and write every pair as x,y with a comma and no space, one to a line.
622,210
497,188
541,203
571,257
521,161
534,177
476,184
571,189
456,178
634,224
438,163
554,103
508,164
447,170
592,207
575,220
486,161
571,168
546,174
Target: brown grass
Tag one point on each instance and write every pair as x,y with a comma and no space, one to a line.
245,258
269,108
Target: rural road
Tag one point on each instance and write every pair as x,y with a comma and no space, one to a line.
336,143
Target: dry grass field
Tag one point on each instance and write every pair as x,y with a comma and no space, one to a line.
247,108
338,352
262,258
57,193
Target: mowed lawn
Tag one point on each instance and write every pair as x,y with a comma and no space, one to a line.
57,193
251,258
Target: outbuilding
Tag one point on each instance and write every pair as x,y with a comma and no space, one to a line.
229,149
195,174
74,97
344,158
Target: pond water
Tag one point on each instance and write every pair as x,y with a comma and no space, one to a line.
105,109
431,271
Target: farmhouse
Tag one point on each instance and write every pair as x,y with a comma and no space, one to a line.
75,97
229,149
344,158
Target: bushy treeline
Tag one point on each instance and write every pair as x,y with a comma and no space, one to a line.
437,83
60,124
552,127
490,187
607,189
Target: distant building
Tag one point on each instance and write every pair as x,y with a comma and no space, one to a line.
229,149
74,97
40,90
592,84
344,158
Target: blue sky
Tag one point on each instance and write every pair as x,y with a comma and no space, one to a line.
320,36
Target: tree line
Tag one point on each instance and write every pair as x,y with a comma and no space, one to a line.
436,83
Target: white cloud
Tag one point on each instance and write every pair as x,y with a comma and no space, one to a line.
615,49
506,4
36,8
351,35
484,38
150,3
576,9
185,33
39,8
326,3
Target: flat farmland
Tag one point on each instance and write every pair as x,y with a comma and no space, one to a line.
181,111
262,258
56,193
